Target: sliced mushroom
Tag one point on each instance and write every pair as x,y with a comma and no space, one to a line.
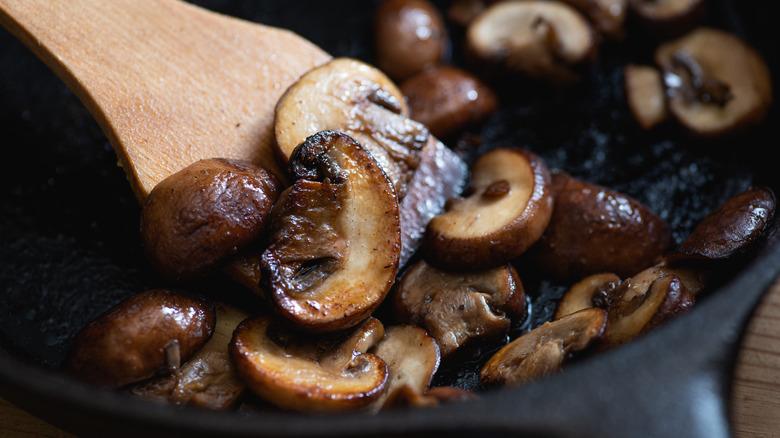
594,229
592,291
448,100
305,373
636,309
731,229
357,99
545,349
460,308
666,18
412,359
409,36
151,333
717,84
507,212
645,94
198,218
607,16
208,379
335,236
541,39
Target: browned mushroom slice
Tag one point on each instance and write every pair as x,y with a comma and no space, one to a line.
508,210
459,308
335,236
545,349
412,359
607,16
307,373
198,218
594,229
207,379
541,39
666,18
359,100
409,36
151,333
731,229
636,309
717,84
448,100
645,94
592,291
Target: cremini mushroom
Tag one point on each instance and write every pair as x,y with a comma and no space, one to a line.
309,373
645,94
592,291
200,217
608,16
460,309
544,40
594,229
545,349
717,84
335,237
151,333
208,379
506,213
665,18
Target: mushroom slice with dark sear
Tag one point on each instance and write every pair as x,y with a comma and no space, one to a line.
149,334
636,309
208,379
412,359
335,236
666,18
717,84
308,373
459,308
357,99
545,349
608,16
199,218
594,229
542,39
592,291
731,229
645,94
508,209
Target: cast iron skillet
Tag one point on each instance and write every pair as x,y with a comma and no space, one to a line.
70,250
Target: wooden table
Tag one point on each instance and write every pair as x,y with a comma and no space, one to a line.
755,398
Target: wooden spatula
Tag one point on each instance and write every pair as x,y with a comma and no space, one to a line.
169,82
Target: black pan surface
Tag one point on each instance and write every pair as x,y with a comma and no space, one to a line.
69,249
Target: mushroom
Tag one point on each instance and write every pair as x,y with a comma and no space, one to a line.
357,99
542,39
607,16
666,18
448,100
199,217
729,230
645,94
307,373
717,85
409,36
592,291
459,308
594,229
545,349
507,212
412,359
148,334
335,236
207,379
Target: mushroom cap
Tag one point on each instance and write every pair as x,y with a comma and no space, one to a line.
507,213
460,308
722,57
334,241
591,291
545,349
359,100
301,372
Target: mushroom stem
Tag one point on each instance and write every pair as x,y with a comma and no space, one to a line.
699,86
